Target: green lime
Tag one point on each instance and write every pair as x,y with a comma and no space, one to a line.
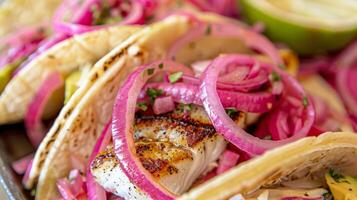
307,26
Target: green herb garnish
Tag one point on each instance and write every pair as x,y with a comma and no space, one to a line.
154,93
305,102
142,106
275,76
183,107
208,29
335,175
150,71
173,78
231,112
161,65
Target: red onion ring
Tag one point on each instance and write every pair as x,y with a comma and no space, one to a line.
258,102
64,189
33,124
81,23
224,124
223,7
95,191
123,118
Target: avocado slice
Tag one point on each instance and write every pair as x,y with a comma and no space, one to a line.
71,84
315,27
6,73
342,187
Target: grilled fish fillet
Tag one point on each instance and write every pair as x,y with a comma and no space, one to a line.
176,148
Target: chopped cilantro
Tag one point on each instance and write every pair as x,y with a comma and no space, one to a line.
208,29
161,65
142,106
275,76
183,107
305,102
150,71
154,93
336,177
173,78
231,112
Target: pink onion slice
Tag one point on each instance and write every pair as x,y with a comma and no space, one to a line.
123,119
20,44
95,191
34,127
250,38
228,160
64,188
223,7
27,173
163,105
224,124
21,165
82,21
257,102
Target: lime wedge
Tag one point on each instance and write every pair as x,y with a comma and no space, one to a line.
307,26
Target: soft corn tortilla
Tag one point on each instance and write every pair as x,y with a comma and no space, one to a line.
308,158
17,14
78,128
65,57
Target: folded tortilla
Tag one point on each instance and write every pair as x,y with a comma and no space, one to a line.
65,57
309,158
78,128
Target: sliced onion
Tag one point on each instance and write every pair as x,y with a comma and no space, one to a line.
242,86
252,40
224,124
258,102
20,44
21,165
163,105
95,191
33,118
123,119
228,160
224,7
82,22
315,65
64,188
